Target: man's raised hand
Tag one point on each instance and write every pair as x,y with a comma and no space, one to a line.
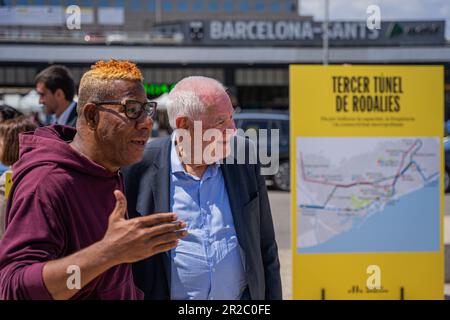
139,238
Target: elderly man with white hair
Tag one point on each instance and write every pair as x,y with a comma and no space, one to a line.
230,252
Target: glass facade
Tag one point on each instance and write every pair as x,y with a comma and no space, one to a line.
175,6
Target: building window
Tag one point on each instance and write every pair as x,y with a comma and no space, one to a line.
228,6
244,6
119,3
38,3
151,5
290,6
22,2
135,5
167,6
275,6
87,3
182,5
213,6
197,5
6,3
259,6
55,3
104,3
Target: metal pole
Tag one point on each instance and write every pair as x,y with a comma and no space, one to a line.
326,19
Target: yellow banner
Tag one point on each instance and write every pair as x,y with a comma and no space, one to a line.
367,189
8,182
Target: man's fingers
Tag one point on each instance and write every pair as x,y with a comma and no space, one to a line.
121,206
157,218
167,237
164,228
165,247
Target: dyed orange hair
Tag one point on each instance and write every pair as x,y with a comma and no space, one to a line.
96,83
115,70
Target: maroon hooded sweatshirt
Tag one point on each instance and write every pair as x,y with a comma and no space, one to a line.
59,203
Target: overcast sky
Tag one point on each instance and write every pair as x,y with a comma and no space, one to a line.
390,10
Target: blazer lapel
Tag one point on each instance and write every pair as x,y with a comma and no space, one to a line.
233,186
161,184
156,187
72,119
153,194
161,193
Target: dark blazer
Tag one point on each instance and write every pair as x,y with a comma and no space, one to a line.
72,120
147,191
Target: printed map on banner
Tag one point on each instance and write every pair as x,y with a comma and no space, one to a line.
368,194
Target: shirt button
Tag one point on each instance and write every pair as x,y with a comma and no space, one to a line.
214,269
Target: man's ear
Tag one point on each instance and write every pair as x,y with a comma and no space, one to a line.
182,123
91,115
59,94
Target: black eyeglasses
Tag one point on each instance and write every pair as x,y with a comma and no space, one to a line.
133,109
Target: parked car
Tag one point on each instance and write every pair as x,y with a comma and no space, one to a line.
248,119
447,164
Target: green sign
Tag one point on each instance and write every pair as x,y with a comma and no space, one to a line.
157,89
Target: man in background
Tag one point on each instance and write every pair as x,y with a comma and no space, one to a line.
56,90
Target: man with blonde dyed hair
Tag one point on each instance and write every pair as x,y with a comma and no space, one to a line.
67,236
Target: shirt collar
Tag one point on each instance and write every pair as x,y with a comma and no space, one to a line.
177,166
62,119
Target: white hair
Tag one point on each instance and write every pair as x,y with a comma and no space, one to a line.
184,104
191,97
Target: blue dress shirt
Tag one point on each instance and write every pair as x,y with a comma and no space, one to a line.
208,263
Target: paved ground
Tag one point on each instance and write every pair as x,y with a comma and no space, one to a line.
280,204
